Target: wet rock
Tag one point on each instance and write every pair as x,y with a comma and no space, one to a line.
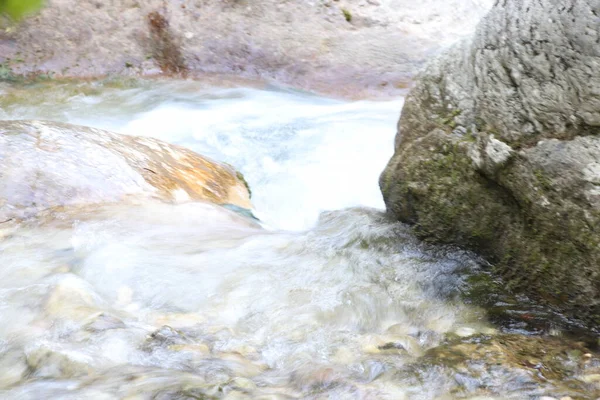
241,366
243,383
391,344
237,395
344,356
497,150
308,44
591,378
197,348
165,337
525,362
52,361
49,165
179,320
73,299
465,331
14,368
104,322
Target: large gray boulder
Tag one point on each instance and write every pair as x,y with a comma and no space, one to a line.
49,165
498,150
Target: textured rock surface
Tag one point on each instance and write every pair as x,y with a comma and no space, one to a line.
570,368
307,43
498,149
50,164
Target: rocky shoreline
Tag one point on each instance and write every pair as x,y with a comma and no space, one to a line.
348,48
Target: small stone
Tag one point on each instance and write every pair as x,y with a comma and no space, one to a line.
104,322
244,350
200,348
72,299
489,331
591,173
460,130
179,321
244,383
395,344
591,378
13,369
399,329
343,356
50,361
465,331
574,353
164,337
242,367
236,395
497,152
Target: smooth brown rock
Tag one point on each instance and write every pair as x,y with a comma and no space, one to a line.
49,165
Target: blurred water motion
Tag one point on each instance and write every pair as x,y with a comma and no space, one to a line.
193,301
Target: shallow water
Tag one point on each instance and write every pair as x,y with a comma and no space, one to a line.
300,153
326,299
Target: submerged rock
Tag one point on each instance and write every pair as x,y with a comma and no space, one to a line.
46,360
498,150
530,366
51,165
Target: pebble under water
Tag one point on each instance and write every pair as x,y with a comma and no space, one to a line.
325,298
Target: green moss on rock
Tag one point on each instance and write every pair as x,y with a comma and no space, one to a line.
347,14
444,196
505,172
240,176
535,236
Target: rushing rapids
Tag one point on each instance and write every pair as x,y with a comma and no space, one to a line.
323,298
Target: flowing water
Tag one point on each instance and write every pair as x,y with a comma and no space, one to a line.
325,299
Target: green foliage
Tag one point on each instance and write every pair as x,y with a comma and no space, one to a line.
240,176
6,74
18,9
347,14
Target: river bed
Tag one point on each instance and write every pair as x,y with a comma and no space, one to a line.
325,298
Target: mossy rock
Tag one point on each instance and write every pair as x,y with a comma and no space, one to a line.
552,361
510,174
